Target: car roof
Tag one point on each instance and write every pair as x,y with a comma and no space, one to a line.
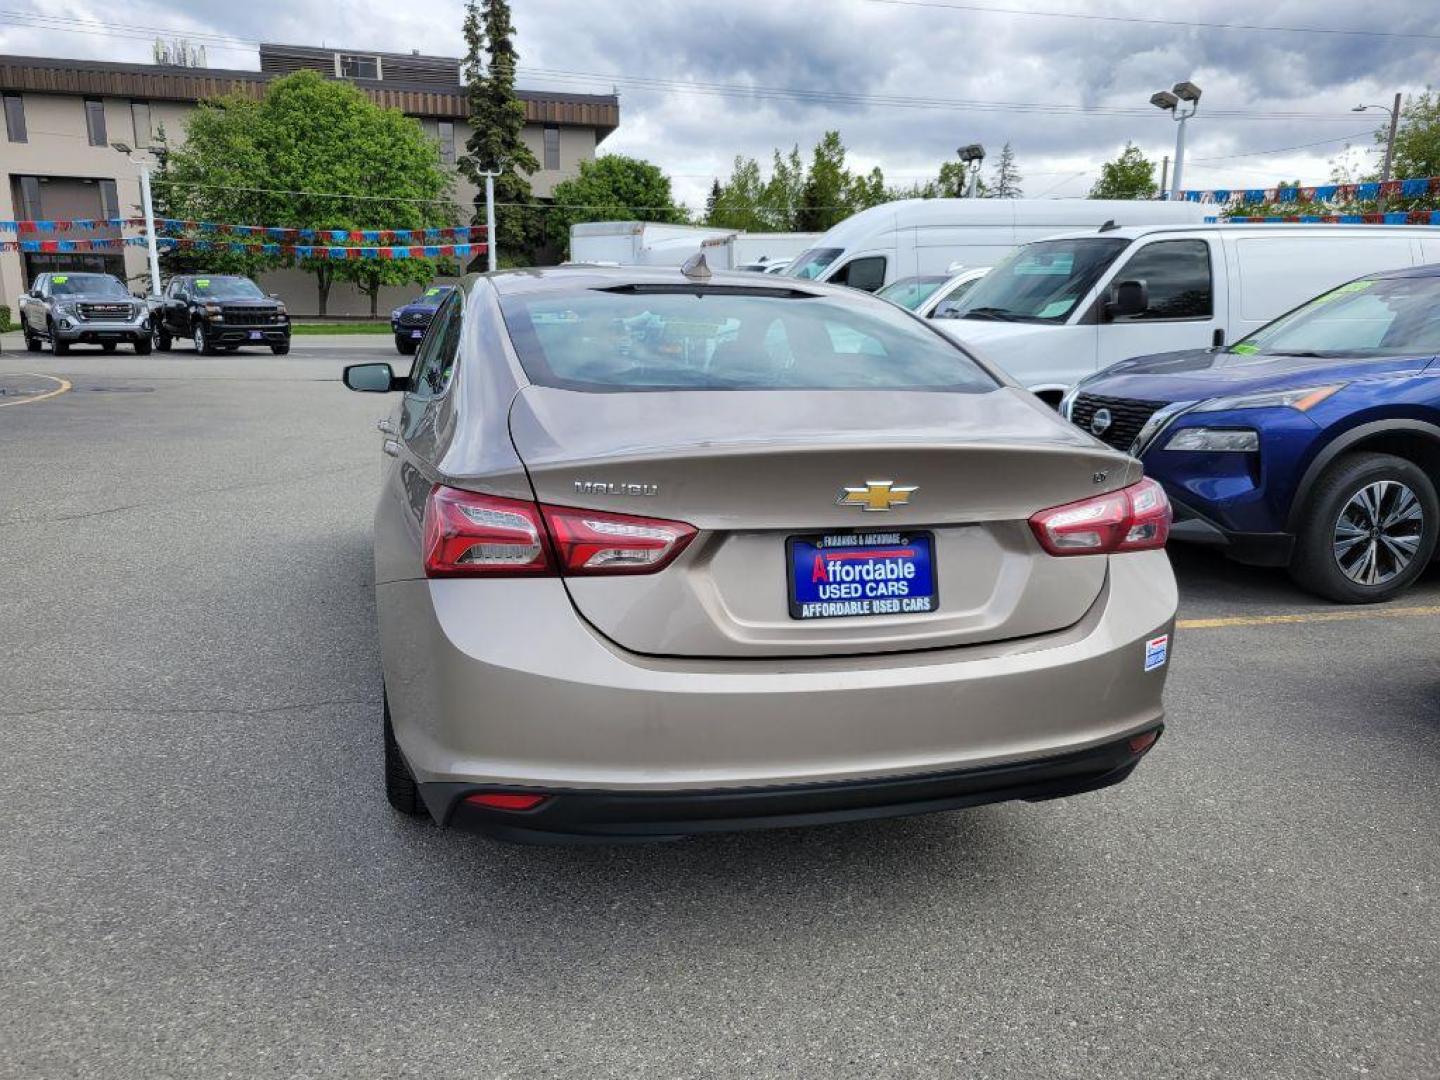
1133,232
584,276
1427,270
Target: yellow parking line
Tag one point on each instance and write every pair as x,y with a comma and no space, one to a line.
1343,615
40,397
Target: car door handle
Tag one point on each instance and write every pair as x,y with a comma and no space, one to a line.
391,447
384,426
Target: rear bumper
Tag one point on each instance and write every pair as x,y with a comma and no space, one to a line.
580,816
499,684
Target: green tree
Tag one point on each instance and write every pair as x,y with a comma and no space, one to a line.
613,187
740,200
1129,176
497,121
1417,139
313,153
825,198
1005,182
784,191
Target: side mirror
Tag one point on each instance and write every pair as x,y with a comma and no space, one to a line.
1128,298
372,379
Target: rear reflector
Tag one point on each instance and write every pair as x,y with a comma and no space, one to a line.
505,800
467,534
1142,742
1136,518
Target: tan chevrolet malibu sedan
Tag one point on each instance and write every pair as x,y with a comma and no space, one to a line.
661,552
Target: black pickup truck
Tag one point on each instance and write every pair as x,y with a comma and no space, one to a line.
219,311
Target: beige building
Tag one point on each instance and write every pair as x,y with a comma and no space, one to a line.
61,117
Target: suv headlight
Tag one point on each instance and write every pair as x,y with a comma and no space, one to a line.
1302,400
65,309
1215,440
395,314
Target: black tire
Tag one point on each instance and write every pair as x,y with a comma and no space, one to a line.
201,340
58,347
108,346
400,787
142,346
280,350
161,340
405,346
32,343
1364,514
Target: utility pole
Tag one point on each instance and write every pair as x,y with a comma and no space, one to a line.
149,210
490,220
1164,175
1390,142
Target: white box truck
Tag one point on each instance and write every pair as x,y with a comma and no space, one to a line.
755,251
911,237
638,243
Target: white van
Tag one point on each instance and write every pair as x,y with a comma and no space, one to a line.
1058,309
913,237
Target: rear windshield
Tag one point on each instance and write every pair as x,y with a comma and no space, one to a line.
729,339
86,284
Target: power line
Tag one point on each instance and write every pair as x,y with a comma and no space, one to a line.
1285,149
1148,21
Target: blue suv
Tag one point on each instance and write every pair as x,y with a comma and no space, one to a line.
408,323
1313,444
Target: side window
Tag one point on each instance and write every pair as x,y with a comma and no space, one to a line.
435,362
1177,274
946,308
866,273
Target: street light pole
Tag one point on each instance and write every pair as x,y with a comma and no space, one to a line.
1174,101
1394,112
149,210
490,219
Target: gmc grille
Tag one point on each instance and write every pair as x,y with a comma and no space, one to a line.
247,317
1127,417
104,311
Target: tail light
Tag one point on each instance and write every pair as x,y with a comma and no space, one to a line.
467,534
1136,518
505,800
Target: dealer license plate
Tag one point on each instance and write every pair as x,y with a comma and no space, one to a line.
846,574
256,335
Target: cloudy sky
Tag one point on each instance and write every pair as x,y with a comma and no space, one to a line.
904,81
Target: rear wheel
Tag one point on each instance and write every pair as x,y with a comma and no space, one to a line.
400,787
1368,530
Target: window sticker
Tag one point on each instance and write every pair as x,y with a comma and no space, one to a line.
1157,651
432,291
59,279
202,283
1246,349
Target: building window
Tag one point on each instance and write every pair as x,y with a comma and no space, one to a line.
95,121
552,148
15,118
109,199
140,114
30,198
446,129
358,67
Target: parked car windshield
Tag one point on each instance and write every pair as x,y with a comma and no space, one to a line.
729,339
87,284
227,288
433,295
911,292
811,264
1040,282
1380,317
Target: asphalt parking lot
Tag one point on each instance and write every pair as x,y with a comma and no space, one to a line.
199,875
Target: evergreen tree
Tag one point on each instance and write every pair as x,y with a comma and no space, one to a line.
825,198
497,120
712,200
1006,181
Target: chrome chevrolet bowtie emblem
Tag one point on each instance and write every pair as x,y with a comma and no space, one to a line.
1100,422
876,495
